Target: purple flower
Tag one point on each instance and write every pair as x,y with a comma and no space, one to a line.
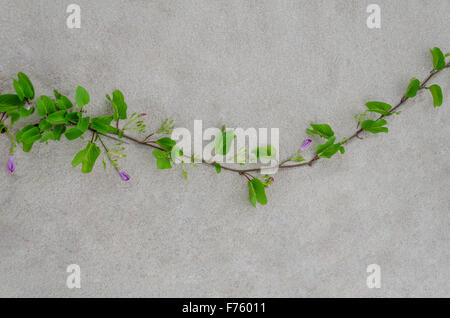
305,144
123,175
143,114
11,164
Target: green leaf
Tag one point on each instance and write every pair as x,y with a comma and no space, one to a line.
120,102
218,168
103,125
25,113
10,102
74,117
115,108
267,152
14,115
27,87
166,143
31,135
323,130
76,132
224,141
78,158
329,148
331,151
40,105
58,117
57,94
413,87
87,157
260,191
19,90
28,136
252,193
63,103
438,58
163,163
379,107
83,123
45,105
26,147
159,154
162,160
320,148
20,133
58,131
119,105
374,126
436,92
73,133
46,136
82,96
105,120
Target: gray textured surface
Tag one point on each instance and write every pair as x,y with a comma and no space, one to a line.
243,63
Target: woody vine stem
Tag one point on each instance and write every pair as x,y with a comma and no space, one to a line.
58,116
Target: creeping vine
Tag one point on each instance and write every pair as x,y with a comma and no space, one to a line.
59,116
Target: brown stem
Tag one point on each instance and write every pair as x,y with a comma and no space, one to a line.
356,134
148,137
246,175
282,164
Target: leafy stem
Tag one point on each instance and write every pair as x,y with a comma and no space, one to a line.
59,116
283,164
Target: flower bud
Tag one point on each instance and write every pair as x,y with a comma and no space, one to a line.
11,164
305,144
123,175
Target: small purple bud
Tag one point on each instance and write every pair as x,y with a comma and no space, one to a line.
123,175
143,114
271,180
11,164
305,144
